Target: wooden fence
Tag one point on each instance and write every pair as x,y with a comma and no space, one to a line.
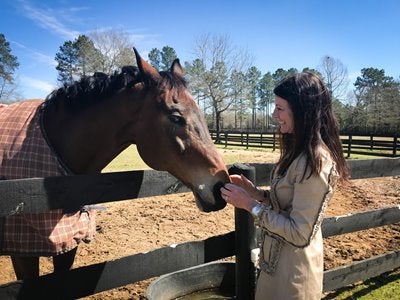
384,146
70,192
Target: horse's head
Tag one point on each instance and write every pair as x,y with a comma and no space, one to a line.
173,135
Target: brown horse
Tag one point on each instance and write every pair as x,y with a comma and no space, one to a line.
88,123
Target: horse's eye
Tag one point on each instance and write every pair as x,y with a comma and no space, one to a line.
177,119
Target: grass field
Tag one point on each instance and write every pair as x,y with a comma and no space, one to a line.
384,287
127,160
130,159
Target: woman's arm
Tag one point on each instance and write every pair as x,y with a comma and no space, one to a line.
310,199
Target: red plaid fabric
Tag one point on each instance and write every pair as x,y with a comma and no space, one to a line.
24,153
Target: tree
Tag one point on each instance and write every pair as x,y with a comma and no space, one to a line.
335,76
77,58
253,77
115,49
391,109
307,69
217,90
67,60
220,59
194,73
266,96
376,92
168,55
102,51
89,57
341,113
8,65
280,74
240,101
162,60
155,58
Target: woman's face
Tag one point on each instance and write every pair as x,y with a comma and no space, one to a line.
283,115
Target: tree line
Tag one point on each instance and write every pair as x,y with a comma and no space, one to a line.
232,92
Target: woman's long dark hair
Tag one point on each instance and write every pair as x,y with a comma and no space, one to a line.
315,124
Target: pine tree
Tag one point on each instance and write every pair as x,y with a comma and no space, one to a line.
67,59
77,58
8,64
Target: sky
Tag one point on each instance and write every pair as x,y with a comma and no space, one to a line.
277,34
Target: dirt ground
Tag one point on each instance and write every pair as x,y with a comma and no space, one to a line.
129,227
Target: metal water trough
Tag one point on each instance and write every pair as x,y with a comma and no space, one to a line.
218,276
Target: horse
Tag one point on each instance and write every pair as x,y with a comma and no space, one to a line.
81,127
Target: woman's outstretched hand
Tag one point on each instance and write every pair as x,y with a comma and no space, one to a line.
248,186
237,196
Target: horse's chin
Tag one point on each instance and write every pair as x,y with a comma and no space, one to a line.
209,199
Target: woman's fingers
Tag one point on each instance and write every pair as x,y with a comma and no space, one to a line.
236,179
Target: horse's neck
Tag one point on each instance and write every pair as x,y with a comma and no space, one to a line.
87,142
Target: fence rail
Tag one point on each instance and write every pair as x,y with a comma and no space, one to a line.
384,146
37,194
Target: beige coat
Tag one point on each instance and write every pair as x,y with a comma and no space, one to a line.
291,259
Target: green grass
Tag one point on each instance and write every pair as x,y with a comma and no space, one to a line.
129,159
386,286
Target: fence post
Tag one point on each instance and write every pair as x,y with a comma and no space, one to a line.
371,142
349,146
247,140
226,139
394,145
246,241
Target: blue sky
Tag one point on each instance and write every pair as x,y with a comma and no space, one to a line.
278,34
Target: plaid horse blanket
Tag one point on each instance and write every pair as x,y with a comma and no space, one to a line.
25,153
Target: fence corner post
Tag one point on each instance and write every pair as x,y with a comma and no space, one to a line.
246,241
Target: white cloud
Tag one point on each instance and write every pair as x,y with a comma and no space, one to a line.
144,42
37,84
45,59
48,19
37,56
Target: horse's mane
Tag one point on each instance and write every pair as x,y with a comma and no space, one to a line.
90,89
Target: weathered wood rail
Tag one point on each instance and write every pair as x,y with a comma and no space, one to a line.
39,194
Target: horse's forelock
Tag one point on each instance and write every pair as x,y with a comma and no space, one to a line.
173,81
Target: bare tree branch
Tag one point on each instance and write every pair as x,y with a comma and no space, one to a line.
335,75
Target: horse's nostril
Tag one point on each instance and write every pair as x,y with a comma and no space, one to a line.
219,202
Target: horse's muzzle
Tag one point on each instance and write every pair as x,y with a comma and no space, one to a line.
209,200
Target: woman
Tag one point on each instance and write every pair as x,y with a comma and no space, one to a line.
302,183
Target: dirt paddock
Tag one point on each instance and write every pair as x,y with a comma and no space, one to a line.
129,227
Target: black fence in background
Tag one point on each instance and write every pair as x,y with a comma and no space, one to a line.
372,145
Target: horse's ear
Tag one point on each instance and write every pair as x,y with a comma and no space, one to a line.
176,68
147,70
